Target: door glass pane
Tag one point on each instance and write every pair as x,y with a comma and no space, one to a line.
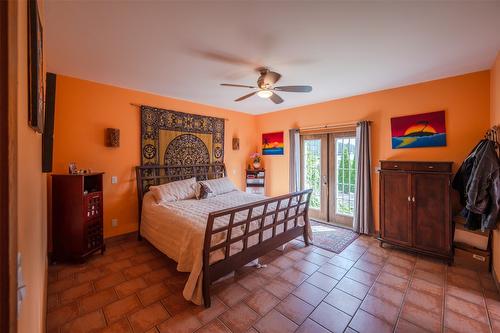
345,180
312,170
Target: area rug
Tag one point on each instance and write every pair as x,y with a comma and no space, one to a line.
331,237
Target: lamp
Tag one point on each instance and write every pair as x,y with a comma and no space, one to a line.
264,93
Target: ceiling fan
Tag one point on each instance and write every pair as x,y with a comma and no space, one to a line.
265,87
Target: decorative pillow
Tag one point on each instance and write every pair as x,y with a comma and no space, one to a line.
203,191
174,191
220,185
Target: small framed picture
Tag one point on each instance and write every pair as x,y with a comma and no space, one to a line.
236,144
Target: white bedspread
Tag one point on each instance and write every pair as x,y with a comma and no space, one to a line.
178,229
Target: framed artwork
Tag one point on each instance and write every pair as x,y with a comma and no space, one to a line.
272,143
236,144
420,130
36,88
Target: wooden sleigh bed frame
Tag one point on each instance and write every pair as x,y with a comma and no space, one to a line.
284,210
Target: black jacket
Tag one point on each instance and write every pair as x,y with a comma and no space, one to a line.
478,181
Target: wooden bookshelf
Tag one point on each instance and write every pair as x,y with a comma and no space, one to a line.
256,181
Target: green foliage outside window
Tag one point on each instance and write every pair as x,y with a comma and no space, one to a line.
346,173
313,174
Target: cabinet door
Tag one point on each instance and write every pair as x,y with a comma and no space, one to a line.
431,212
395,216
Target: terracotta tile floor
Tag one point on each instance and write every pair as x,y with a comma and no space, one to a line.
134,288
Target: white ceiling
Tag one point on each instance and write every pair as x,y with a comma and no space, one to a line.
185,49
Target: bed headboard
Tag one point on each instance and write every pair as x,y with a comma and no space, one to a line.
149,175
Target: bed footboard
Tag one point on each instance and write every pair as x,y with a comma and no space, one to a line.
263,226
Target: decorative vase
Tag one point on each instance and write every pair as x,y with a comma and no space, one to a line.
256,165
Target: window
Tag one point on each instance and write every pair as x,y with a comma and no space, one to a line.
346,174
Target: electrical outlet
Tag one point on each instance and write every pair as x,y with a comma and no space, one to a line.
114,222
114,179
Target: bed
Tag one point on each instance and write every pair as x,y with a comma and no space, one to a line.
210,238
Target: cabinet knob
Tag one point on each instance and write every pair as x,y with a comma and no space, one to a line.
409,198
430,167
413,199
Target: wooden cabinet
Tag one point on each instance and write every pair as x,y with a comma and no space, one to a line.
415,209
77,216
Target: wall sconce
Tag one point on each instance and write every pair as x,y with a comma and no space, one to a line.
236,144
112,137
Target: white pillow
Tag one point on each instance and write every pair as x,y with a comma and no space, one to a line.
174,191
220,185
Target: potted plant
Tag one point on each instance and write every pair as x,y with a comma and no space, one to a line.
256,158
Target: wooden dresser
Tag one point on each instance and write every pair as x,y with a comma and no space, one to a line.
415,207
77,216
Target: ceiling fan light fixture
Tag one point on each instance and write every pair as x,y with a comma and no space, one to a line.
264,93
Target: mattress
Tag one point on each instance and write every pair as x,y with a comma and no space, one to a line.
178,229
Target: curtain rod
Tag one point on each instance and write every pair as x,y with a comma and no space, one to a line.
139,105
350,124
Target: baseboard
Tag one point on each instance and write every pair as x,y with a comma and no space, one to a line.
117,238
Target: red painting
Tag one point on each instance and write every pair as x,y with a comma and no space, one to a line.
420,130
272,143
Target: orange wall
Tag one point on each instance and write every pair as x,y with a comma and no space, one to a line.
84,109
30,183
495,120
465,99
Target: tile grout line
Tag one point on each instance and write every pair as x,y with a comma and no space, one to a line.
368,292
410,279
445,292
483,292
322,300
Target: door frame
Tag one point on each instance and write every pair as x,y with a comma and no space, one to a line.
329,170
4,171
9,54
322,213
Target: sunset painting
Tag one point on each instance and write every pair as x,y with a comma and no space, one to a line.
272,143
421,130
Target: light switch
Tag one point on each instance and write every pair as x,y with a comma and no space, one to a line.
114,179
114,222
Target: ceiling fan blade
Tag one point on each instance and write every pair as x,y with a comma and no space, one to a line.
221,56
236,85
294,88
245,97
276,99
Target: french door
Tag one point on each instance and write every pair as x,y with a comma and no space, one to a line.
328,166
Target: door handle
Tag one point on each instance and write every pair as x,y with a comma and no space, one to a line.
325,182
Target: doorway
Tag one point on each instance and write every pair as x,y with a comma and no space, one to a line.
328,166
4,173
